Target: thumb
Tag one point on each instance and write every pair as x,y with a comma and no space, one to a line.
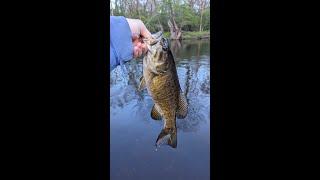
144,31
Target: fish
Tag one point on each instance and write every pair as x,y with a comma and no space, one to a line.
161,80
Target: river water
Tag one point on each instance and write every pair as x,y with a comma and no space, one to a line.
133,154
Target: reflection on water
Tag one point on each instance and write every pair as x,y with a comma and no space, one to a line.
133,132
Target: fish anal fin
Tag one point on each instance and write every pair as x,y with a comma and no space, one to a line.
182,106
155,114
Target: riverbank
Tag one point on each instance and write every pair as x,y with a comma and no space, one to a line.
191,35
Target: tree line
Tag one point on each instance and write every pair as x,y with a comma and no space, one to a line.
174,16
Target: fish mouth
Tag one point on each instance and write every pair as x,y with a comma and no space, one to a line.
157,48
159,70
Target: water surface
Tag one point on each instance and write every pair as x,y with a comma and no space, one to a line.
133,132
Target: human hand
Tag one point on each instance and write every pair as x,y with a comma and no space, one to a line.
139,31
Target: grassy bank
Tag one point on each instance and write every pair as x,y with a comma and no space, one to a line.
191,34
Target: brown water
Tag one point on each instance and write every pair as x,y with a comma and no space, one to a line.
133,133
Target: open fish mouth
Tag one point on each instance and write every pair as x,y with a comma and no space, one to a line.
161,69
158,71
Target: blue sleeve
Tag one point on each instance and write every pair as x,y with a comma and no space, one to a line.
121,47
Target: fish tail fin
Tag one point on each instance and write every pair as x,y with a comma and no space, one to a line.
168,136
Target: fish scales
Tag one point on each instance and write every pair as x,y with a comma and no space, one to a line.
164,90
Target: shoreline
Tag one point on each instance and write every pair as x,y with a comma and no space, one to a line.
192,35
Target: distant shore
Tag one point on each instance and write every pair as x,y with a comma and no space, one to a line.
192,34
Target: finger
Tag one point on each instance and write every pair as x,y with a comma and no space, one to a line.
144,31
135,52
135,37
139,52
138,44
144,48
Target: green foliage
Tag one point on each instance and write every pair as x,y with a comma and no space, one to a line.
191,34
195,34
187,18
206,19
166,34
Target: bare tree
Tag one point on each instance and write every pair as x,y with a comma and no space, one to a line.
202,5
175,31
191,3
111,8
137,8
154,12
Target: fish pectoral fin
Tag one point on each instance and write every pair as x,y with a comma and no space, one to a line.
142,84
182,106
155,114
167,136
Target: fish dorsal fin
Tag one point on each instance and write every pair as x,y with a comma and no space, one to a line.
155,114
142,84
182,106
